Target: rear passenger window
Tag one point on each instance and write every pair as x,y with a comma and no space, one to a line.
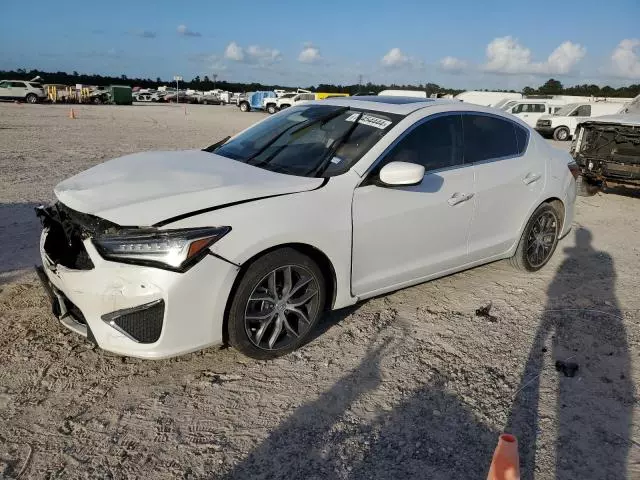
522,137
435,144
488,137
539,107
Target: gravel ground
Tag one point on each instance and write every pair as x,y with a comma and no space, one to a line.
414,384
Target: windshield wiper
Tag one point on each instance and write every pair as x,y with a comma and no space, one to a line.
324,163
211,148
305,124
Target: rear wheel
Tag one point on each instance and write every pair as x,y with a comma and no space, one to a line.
276,304
271,108
539,240
561,134
31,98
585,188
244,107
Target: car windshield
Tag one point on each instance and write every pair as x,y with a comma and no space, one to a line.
508,105
310,140
566,110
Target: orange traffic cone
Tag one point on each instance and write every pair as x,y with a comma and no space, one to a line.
72,114
506,463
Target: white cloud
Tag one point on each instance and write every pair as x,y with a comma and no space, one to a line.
395,59
310,54
234,52
506,55
185,32
452,65
625,59
254,54
263,54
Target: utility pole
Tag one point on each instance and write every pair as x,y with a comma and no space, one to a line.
215,77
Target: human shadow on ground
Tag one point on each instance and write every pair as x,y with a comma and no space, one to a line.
582,324
431,434
19,238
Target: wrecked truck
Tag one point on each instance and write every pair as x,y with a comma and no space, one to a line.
607,150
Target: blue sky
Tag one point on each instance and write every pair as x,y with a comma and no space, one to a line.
458,43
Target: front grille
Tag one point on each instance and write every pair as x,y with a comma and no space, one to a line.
142,324
66,249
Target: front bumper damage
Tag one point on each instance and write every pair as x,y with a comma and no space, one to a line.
608,153
131,310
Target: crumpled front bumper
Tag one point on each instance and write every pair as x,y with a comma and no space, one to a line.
193,303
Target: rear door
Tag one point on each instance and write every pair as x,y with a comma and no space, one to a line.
18,90
404,234
509,179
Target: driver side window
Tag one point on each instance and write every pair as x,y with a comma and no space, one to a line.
435,144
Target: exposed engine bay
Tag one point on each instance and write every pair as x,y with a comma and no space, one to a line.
608,152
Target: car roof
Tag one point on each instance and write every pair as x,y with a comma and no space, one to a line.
382,103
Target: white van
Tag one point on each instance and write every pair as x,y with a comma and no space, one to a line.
529,111
486,99
562,124
404,93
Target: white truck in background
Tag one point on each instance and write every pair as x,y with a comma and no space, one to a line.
486,99
563,123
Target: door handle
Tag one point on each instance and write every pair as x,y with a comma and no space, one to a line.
457,198
530,178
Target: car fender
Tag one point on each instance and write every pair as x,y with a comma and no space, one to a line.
319,218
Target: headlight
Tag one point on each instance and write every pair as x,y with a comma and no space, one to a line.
170,249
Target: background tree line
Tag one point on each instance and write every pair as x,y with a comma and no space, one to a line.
550,87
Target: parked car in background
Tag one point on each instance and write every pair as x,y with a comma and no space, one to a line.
209,99
607,150
30,92
562,124
486,99
143,97
289,100
320,206
529,111
403,93
254,100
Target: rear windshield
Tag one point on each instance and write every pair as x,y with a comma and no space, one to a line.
310,140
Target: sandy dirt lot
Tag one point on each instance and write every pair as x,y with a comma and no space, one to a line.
413,384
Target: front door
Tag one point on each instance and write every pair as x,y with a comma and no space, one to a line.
404,234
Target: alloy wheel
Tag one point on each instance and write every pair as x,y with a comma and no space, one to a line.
541,239
282,307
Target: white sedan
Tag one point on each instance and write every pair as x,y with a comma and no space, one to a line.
315,208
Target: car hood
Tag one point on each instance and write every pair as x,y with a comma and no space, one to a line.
146,188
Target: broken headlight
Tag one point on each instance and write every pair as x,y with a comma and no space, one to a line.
171,249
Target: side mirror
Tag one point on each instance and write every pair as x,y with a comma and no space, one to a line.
401,173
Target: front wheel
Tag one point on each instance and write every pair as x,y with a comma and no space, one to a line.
271,109
244,107
539,240
32,98
561,134
276,304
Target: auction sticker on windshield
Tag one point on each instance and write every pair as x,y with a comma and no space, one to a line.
370,120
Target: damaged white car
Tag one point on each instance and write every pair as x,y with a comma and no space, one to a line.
249,241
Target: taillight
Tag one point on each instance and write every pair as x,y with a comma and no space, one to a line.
574,169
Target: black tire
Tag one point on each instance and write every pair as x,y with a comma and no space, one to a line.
561,134
244,107
31,98
522,260
239,328
271,109
97,100
585,188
